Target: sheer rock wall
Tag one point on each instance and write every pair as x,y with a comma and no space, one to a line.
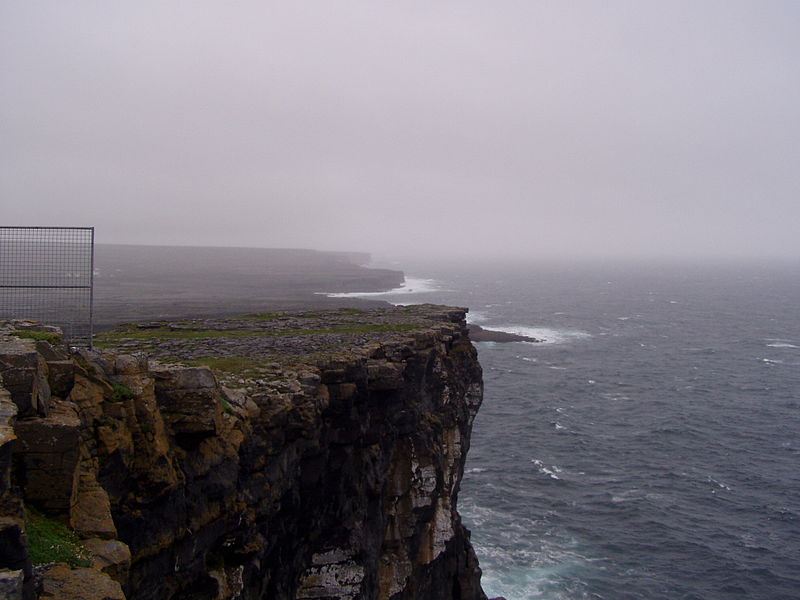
330,479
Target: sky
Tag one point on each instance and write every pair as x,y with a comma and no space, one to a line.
519,129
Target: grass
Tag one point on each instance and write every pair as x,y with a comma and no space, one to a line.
39,336
51,541
182,334
121,392
228,364
172,334
355,328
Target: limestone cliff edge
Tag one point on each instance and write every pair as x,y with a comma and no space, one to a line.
279,455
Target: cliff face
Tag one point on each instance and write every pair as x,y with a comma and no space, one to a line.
322,462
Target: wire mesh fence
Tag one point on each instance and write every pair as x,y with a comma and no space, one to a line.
46,274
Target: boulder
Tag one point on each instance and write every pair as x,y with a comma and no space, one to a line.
8,413
11,584
60,377
62,582
23,372
190,401
111,557
49,455
91,513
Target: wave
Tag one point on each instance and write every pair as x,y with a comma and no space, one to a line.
551,472
782,345
547,335
525,558
476,316
724,486
411,285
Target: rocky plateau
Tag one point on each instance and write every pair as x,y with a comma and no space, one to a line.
282,455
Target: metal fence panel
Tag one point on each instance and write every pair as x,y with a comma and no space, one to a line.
47,274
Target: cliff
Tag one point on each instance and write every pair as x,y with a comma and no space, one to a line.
137,283
303,456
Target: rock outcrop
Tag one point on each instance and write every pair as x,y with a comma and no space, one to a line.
319,457
480,334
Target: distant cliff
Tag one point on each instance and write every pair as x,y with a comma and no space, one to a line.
278,455
135,283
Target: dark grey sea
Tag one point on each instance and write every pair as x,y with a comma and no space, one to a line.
649,446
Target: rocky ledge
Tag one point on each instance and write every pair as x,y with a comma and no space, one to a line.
479,334
275,455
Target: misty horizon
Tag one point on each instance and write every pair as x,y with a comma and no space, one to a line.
627,130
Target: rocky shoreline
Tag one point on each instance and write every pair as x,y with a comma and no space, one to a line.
479,334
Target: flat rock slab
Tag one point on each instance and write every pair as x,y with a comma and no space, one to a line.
23,372
66,583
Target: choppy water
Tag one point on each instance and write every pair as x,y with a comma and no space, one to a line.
650,448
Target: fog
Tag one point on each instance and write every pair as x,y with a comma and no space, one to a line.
523,129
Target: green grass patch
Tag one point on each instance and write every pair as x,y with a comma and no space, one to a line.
228,364
121,392
108,338
350,311
165,333
39,336
51,541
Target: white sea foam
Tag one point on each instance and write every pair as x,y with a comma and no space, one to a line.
724,486
411,285
550,471
476,316
547,335
627,496
614,396
522,558
782,345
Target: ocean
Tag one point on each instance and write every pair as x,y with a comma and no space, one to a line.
649,446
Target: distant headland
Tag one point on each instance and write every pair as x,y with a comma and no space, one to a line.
136,283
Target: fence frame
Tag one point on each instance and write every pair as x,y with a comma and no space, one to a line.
39,286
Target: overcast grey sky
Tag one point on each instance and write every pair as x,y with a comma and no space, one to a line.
524,128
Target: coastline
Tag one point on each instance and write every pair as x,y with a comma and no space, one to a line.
145,283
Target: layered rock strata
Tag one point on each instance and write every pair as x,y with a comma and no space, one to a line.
319,457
